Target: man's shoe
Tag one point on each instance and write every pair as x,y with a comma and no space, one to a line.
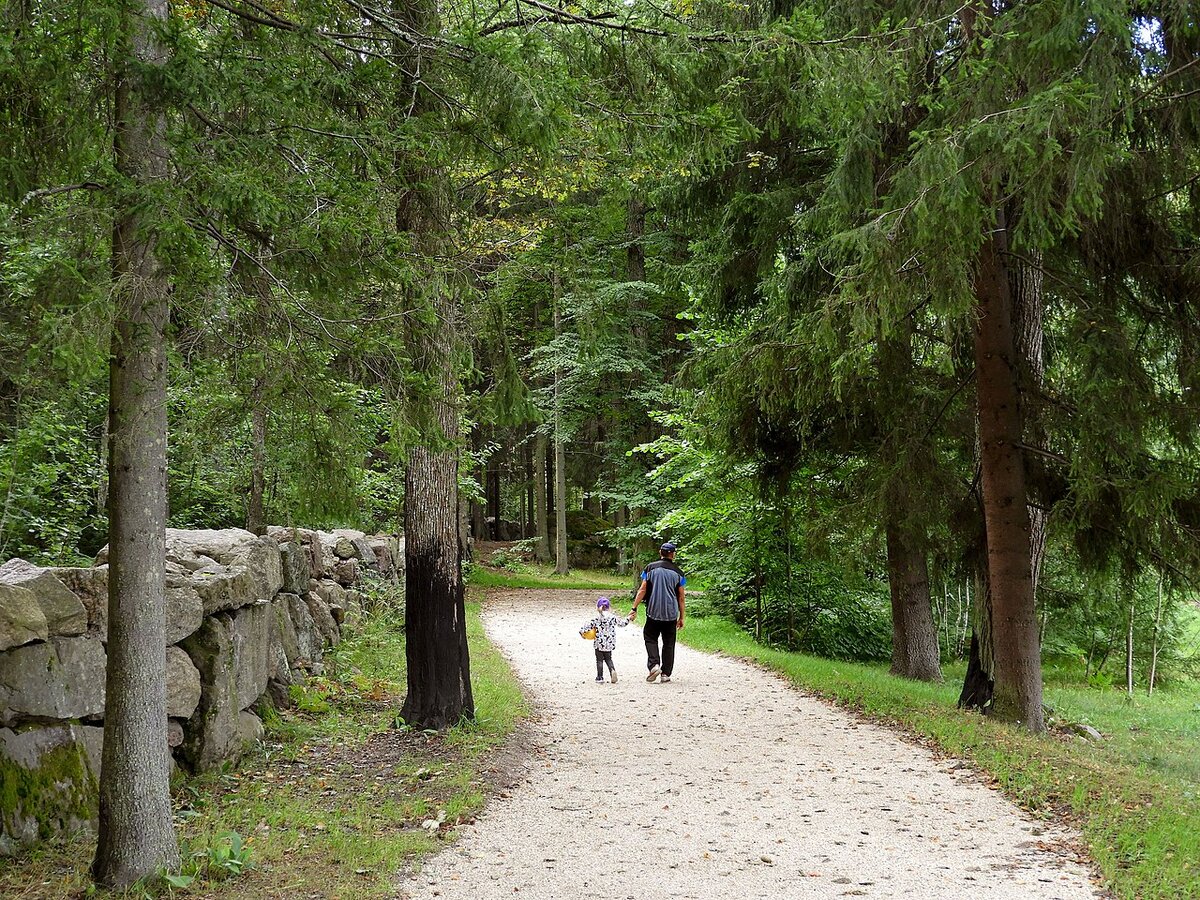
664,679
612,676
600,679
654,673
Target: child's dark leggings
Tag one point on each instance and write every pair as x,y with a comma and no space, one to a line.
603,658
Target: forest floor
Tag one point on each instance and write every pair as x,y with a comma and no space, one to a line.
726,781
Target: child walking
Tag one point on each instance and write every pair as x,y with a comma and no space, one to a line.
605,626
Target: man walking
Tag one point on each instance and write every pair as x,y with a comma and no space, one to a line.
662,589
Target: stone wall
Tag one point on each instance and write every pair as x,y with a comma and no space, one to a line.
247,617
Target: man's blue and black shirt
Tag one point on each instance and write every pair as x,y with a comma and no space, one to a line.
664,579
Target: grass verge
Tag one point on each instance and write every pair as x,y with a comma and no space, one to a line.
543,577
1141,824
336,802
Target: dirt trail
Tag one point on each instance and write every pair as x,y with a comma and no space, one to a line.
725,782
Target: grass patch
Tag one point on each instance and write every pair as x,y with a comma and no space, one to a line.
543,577
1134,797
336,802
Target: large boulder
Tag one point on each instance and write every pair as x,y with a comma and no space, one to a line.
345,572
21,618
250,631
183,684
48,783
284,631
360,546
64,611
185,611
384,562
329,591
323,619
60,679
210,733
228,569
296,571
324,553
90,585
309,640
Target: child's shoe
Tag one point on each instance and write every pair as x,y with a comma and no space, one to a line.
612,676
600,679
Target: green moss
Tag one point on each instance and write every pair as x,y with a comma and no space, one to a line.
57,795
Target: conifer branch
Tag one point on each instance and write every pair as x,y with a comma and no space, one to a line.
40,193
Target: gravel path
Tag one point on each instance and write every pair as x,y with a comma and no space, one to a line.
725,780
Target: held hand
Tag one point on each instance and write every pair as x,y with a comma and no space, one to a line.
632,615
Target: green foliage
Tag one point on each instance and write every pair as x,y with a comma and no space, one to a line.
51,471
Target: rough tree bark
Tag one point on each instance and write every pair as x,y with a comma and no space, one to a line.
137,835
527,524
439,672
492,495
1026,279
561,564
635,226
541,509
256,519
1018,677
621,519
1154,648
915,650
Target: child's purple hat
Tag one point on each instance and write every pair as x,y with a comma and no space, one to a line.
603,603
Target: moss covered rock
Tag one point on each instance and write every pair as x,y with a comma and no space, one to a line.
48,784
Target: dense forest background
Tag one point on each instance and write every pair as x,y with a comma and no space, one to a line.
716,274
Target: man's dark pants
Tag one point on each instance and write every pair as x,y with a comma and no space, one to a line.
656,628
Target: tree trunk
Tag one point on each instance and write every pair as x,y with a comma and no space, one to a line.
758,576
915,652
492,494
1155,639
1025,279
439,672
561,564
787,542
528,526
636,270
541,512
1018,677
1130,588
136,830
622,519
256,522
